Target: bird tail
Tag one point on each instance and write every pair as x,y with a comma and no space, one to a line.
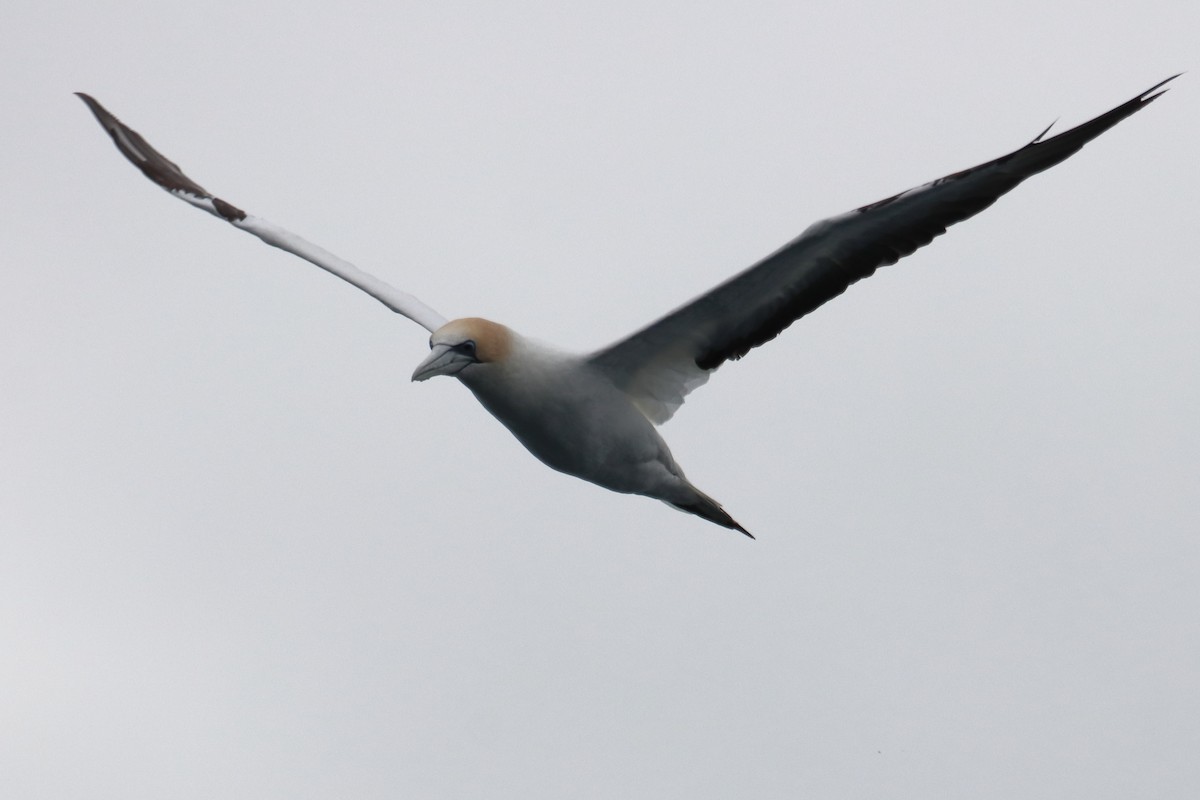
705,507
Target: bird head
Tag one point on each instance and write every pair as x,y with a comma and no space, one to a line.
463,344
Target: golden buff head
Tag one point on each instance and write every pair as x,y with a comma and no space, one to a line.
462,343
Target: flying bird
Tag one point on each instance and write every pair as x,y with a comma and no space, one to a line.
593,415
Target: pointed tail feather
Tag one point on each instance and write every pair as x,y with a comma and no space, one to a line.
705,507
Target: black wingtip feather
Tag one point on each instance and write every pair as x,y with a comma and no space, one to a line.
153,164
1069,142
1042,135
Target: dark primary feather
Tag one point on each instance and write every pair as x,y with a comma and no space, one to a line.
754,306
153,164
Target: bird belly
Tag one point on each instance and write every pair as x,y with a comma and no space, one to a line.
587,428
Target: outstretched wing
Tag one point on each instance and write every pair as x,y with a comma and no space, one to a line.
155,166
660,364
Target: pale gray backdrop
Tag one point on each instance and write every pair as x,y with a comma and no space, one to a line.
243,557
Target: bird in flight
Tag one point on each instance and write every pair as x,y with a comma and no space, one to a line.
593,415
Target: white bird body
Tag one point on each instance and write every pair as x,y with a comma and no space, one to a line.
566,412
593,416
569,416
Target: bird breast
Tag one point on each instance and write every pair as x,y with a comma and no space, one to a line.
571,417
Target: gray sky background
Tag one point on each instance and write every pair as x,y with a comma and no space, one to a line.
242,556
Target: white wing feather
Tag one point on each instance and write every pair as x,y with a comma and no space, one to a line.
170,177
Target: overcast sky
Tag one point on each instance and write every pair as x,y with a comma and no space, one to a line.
242,556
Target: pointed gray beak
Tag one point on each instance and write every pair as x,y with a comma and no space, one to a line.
442,360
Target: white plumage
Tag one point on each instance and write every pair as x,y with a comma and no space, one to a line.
594,415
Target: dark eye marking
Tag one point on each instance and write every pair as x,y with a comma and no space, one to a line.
467,348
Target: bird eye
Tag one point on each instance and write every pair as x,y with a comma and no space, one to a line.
468,347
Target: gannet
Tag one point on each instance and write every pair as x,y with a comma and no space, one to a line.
593,415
